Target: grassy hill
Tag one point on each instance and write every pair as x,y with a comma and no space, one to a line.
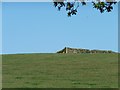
60,71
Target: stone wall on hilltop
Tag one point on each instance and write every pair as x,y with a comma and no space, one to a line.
75,50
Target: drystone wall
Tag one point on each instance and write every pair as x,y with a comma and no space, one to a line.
75,50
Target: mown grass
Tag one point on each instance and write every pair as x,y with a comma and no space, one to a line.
60,71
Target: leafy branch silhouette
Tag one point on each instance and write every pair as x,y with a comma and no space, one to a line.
72,7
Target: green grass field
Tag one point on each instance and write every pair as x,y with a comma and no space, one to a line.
60,71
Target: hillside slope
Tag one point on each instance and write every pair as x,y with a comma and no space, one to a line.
60,71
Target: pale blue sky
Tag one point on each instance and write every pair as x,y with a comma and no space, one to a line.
41,28
0,28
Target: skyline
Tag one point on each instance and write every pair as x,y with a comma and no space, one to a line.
27,28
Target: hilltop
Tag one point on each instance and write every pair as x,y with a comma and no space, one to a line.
60,70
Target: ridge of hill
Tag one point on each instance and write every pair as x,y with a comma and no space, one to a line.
55,70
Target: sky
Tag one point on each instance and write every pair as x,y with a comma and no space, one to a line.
40,28
0,28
